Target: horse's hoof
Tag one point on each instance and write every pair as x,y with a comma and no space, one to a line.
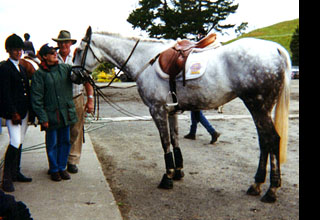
269,197
166,183
254,191
178,175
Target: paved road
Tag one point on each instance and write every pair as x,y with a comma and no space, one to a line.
217,176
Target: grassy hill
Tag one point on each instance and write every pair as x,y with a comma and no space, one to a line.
280,33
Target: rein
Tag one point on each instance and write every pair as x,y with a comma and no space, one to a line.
124,64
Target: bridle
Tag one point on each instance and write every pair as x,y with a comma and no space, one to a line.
84,57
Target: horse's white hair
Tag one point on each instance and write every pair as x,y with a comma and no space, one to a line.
134,38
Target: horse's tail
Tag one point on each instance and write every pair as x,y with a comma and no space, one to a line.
281,118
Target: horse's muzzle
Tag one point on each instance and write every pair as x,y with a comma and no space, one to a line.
79,75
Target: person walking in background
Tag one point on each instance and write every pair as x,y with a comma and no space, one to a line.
65,42
51,99
15,107
196,117
28,46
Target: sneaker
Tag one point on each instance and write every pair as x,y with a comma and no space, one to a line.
64,175
55,176
72,168
214,137
190,136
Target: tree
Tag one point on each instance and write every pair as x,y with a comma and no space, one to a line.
241,28
173,19
294,47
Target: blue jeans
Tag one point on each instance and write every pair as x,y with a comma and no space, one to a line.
196,117
58,148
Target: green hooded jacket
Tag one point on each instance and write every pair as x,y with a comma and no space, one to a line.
51,96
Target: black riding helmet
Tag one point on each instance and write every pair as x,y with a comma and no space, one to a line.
14,41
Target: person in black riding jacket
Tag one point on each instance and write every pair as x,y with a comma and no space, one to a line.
15,108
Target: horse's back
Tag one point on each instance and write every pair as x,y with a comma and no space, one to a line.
254,49
254,62
249,42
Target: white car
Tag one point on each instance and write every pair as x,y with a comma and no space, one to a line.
295,72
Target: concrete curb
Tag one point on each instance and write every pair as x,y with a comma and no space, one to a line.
86,196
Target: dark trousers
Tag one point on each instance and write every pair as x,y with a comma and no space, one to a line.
196,117
58,148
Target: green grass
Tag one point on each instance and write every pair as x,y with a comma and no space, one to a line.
281,33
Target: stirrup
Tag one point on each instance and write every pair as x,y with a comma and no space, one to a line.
171,94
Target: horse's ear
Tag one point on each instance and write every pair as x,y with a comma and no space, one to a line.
89,32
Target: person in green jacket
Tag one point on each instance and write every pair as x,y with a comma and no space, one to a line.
51,100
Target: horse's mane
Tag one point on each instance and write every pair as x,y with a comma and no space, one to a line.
135,38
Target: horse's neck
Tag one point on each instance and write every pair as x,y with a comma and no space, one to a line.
119,49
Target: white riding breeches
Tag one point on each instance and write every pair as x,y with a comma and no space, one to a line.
17,132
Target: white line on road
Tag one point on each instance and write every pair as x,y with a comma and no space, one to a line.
181,117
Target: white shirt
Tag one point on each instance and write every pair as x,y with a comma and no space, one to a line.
15,63
76,89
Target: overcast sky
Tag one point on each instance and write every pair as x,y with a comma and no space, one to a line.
44,19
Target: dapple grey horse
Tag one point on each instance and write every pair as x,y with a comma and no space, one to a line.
256,71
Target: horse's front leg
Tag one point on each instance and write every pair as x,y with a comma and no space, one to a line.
173,124
160,117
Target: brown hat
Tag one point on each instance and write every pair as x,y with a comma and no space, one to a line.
64,36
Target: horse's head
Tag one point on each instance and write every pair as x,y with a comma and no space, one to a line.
123,52
85,59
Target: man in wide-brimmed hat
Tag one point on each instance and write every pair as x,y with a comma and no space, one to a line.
65,41
64,36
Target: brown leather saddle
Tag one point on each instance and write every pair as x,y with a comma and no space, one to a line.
172,61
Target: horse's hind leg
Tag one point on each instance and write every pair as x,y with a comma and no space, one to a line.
269,145
260,176
275,178
178,159
160,117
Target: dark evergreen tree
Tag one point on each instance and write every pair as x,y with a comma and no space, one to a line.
172,19
294,47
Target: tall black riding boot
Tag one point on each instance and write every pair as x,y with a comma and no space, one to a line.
18,176
9,168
